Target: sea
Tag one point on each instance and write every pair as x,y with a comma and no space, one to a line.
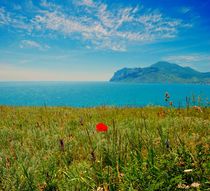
92,94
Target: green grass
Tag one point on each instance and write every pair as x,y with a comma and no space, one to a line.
144,149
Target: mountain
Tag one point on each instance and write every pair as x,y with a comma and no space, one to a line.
161,72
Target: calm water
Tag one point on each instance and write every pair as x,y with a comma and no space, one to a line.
83,94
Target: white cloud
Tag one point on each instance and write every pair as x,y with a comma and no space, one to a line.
107,28
33,44
96,25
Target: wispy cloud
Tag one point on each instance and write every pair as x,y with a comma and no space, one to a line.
110,28
188,58
88,3
98,26
197,61
19,22
33,44
4,17
184,10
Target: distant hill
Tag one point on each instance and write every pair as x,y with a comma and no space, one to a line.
161,72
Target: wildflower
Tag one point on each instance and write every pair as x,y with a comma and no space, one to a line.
121,174
42,186
183,186
101,127
188,170
181,163
161,113
197,108
195,185
100,189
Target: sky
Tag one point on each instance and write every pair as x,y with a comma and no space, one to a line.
88,40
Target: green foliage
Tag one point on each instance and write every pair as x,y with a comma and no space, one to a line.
147,148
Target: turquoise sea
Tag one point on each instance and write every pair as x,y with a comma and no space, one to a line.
90,94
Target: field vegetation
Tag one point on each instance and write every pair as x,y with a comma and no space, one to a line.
150,148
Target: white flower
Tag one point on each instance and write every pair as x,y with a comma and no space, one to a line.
188,170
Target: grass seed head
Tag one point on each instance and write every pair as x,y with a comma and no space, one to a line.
61,144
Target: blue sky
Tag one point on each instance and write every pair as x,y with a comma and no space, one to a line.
91,39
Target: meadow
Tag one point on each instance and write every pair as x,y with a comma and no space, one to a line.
149,148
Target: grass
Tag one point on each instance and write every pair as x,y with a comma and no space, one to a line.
150,148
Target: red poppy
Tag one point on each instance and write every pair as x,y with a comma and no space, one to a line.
101,127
